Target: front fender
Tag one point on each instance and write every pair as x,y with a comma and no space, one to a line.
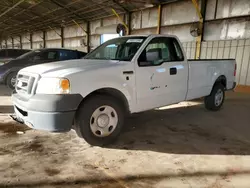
87,87
124,91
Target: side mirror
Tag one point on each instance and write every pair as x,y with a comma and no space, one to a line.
151,57
154,55
145,63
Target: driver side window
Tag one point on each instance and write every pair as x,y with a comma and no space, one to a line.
155,53
160,50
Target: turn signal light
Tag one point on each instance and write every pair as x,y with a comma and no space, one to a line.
65,85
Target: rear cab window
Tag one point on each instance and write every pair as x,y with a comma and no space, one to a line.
51,55
48,55
67,54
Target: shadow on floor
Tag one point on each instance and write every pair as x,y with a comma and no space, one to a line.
4,91
189,130
11,128
7,109
111,182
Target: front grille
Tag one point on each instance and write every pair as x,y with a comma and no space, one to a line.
25,83
24,113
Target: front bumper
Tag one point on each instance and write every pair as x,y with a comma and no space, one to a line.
54,113
1,79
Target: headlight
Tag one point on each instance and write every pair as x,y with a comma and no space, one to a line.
53,86
4,62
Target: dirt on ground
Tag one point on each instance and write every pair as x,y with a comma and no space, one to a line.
178,146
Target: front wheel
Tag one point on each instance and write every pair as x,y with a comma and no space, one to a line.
99,120
11,80
215,100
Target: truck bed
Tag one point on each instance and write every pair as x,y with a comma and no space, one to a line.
204,72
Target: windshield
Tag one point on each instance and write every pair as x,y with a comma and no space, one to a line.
28,54
122,49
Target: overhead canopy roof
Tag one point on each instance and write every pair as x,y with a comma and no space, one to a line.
22,16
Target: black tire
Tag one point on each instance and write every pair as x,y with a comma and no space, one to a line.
210,101
9,82
84,119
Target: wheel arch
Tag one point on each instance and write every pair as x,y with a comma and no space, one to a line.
7,73
222,80
119,95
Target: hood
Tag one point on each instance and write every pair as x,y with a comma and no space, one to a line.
63,68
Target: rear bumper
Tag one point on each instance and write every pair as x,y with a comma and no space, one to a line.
234,85
54,113
231,86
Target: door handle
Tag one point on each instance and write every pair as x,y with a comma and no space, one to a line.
173,71
128,72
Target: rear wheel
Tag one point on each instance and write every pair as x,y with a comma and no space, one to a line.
99,120
216,99
11,80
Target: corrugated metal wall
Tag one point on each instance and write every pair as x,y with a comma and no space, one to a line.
37,40
75,37
225,49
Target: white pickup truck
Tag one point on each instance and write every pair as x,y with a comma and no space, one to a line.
124,75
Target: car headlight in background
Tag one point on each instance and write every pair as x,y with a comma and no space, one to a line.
4,62
53,86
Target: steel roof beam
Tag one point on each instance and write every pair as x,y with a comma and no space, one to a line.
22,11
120,5
66,8
9,9
43,27
60,17
45,14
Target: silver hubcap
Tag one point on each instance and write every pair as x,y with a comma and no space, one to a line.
13,81
218,97
103,121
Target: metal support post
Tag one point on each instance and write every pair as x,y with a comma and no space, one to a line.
62,37
44,39
201,14
159,19
31,41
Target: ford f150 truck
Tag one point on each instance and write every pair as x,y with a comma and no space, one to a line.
124,75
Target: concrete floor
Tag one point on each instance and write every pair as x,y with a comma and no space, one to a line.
181,146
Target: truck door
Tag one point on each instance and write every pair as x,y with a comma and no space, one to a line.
161,74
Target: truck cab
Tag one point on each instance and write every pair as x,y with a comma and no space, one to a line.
124,75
